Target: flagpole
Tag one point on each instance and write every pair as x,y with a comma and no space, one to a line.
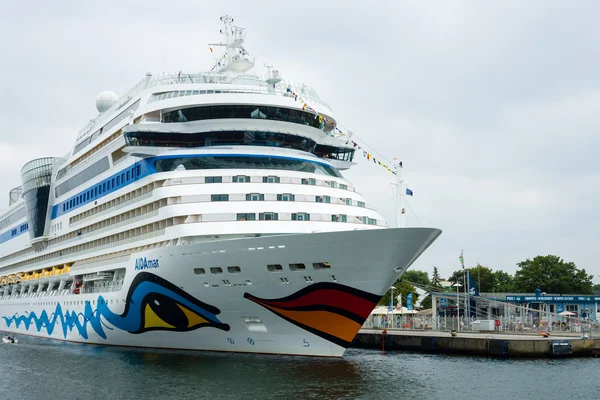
400,197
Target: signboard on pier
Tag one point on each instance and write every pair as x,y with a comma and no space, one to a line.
548,299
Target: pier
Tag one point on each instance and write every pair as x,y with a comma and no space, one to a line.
483,344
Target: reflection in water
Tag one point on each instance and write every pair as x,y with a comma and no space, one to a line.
49,370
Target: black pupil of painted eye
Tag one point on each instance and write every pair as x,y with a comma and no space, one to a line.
167,310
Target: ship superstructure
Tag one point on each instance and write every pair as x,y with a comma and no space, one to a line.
201,211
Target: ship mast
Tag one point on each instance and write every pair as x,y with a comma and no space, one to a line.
236,60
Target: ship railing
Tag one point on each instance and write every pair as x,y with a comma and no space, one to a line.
114,226
113,208
304,92
95,249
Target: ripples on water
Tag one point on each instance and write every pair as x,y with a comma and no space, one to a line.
41,369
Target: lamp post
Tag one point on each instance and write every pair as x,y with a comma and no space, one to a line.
457,307
391,309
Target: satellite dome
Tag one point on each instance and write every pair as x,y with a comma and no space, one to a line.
105,100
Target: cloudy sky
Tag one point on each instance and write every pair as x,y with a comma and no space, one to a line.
492,106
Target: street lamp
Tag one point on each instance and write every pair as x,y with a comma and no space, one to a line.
457,307
391,309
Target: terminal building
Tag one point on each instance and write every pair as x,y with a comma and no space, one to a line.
517,306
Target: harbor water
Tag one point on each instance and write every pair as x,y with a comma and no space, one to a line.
44,369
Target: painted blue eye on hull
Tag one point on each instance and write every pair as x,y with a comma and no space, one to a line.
149,294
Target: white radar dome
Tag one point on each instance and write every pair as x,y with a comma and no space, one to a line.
105,100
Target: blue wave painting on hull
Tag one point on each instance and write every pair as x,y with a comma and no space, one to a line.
152,304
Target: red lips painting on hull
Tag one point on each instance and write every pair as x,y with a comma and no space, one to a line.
332,311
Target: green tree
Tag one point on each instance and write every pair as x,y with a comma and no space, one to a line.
504,282
484,278
552,275
457,277
435,279
596,288
403,287
420,278
416,276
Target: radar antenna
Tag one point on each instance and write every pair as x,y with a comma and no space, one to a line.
235,60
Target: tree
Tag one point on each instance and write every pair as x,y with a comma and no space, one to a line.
435,279
504,282
416,276
421,278
596,288
552,275
484,278
402,287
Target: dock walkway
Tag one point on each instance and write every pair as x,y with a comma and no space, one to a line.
503,345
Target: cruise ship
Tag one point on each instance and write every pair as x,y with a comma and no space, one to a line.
201,211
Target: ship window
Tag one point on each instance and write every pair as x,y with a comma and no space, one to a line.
300,217
285,197
361,204
103,187
309,181
219,138
271,179
118,180
124,114
127,176
241,178
255,197
199,271
372,221
234,270
335,218
297,267
90,172
268,216
213,179
244,162
219,197
334,184
243,111
274,268
344,187
216,270
349,202
246,217
321,265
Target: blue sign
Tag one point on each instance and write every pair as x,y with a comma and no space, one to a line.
443,302
560,308
546,299
409,302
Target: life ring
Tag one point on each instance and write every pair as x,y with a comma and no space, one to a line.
497,322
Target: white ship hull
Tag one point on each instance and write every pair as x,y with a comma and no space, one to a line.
312,312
